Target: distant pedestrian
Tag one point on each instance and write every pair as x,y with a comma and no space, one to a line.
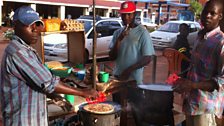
11,17
181,44
222,23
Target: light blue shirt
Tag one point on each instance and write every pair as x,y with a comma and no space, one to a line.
133,47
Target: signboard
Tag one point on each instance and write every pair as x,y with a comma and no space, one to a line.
185,15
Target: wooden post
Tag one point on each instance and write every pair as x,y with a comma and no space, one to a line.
94,47
154,59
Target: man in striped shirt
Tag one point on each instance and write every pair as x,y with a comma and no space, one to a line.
203,89
25,81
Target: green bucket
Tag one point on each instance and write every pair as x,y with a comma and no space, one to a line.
70,98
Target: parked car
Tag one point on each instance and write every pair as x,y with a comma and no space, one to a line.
146,22
166,35
105,29
97,18
55,44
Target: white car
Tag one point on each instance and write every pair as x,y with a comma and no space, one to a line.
146,22
166,35
105,29
55,44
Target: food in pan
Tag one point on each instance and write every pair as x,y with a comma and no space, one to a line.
99,108
61,68
54,64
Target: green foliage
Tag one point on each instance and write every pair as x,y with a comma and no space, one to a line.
8,34
196,7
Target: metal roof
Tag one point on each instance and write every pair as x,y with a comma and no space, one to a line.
107,3
73,2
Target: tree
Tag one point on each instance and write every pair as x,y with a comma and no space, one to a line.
196,8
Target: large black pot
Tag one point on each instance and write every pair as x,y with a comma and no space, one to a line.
92,119
152,104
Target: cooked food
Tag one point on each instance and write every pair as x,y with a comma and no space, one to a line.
99,108
54,64
60,68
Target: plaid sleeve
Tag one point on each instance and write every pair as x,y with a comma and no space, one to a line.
34,72
220,78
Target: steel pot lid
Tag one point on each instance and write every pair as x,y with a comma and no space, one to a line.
156,87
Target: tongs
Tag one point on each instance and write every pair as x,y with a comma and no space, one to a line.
66,80
174,76
100,98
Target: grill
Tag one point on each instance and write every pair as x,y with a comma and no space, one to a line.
92,119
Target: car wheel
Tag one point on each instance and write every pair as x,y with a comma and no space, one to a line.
86,57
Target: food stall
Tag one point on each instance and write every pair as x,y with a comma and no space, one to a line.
76,50
76,47
117,114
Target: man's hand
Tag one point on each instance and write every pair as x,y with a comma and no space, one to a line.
114,51
182,85
125,74
124,33
89,93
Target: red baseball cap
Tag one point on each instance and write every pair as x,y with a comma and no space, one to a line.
127,7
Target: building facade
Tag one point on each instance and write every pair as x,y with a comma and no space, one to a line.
74,8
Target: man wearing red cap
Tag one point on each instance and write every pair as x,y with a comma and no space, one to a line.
131,46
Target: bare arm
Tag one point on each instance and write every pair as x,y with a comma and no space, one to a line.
141,63
184,85
64,89
209,85
114,51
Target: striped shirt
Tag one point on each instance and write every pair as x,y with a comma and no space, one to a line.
23,84
207,64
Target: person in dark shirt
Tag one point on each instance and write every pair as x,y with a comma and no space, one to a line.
182,45
222,23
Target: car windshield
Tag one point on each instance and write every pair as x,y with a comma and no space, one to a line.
147,20
169,27
87,25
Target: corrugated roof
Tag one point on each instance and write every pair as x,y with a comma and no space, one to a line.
85,2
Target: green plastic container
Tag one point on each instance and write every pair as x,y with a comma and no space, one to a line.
103,77
70,98
62,71
80,66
